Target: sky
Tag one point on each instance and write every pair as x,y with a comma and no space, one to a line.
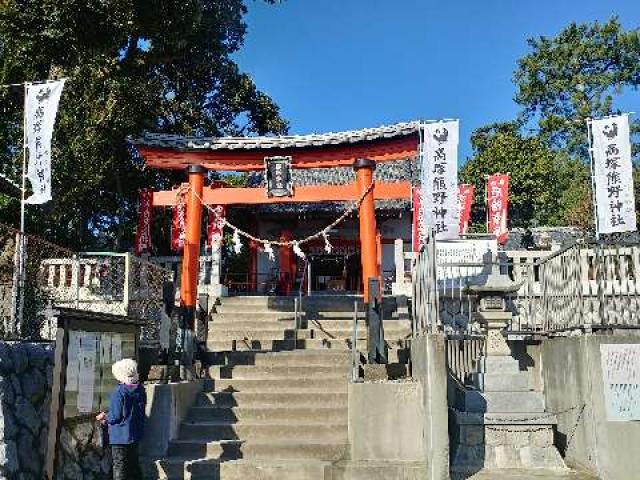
334,65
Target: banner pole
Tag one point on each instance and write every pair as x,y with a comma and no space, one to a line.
593,179
21,260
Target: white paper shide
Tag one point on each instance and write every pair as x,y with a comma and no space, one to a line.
440,178
613,175
41,109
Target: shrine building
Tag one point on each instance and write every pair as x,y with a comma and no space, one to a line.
296,186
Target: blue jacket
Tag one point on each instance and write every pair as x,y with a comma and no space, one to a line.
126,414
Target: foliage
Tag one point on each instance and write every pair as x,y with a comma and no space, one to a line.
159,65
540,177
574,76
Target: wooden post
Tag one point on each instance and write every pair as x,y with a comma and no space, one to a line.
191,258
368,246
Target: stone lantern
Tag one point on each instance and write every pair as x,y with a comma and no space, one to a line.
492,311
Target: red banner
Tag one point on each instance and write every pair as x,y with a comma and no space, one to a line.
215,226
177,228
418,231
497,206
143,233
465,199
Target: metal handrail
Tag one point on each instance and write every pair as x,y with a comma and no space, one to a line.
355,367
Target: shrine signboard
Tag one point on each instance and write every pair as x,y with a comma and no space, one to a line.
87,345
278,175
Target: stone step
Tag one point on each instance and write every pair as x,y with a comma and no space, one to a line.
302,334
247,309
210,469
246,323
235,449
254,316
286,413
503,402
502,382
279,372
348,324
230,345
266,301
329,315
337,333
275,399
379,470
291,358
321,432
277,385
498,364
289,344
259,335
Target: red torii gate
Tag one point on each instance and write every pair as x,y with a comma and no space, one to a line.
362,149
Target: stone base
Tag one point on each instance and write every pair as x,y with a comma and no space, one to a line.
378,470
504,441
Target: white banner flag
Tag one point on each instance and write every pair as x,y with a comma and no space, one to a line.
41,109
613,174
440,178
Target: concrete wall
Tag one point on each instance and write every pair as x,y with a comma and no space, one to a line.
167,406
428,365
386,422
573,387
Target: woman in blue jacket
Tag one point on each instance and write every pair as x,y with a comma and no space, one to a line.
125,420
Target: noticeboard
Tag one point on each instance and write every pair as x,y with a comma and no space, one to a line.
87,345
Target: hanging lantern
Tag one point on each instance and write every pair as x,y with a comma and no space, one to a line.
268,249
298,251
237,244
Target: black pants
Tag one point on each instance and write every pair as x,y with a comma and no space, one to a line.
126,465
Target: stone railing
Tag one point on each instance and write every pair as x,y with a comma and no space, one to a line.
209,273
119,284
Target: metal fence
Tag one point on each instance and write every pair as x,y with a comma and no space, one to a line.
37,276
578,288
586,287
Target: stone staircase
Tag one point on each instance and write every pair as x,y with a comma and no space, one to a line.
275,403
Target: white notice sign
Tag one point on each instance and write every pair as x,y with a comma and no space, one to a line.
621,378
116,348
439,162
613,175
73,364
453,255
87,375
105,349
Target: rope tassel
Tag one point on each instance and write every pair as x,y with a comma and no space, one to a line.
327,245
237,244
268,249
298,251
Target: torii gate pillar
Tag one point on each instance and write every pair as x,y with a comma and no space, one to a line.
368,245
191,258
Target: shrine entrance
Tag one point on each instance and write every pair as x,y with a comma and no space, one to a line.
304,193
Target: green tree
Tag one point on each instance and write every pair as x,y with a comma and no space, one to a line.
574,76
541,179
161,65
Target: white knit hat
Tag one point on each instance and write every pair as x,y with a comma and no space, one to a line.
125,371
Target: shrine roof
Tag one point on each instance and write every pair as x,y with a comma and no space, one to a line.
382,144
192,143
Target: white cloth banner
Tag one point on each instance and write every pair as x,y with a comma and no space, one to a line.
440,178
613,174
41,109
